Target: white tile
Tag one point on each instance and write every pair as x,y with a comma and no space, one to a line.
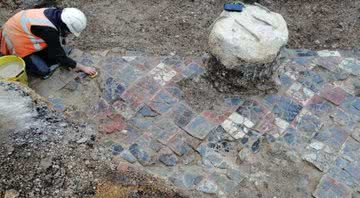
295,87
308,92
317,145
237,118
282,124
129,58
239,135
162,74
327,53
248,123
227,125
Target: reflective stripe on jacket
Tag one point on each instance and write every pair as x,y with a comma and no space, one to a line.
17,38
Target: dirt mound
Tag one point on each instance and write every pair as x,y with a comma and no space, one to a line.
52,157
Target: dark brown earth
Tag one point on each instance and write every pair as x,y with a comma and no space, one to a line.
182,26
320,24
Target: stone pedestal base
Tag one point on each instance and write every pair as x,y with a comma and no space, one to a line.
250,79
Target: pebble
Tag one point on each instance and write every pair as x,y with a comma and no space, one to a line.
82,140
243,154
255,147
11,194
116,149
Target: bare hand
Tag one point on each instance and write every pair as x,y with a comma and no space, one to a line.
86,70
89,70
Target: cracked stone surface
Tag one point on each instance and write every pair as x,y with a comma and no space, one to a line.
142,116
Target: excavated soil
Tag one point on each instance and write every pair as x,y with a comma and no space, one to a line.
182,26
210,89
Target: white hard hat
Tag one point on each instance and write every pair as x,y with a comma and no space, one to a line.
74,19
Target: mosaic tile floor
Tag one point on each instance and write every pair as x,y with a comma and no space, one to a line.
145,120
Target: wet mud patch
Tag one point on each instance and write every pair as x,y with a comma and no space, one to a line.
274,167
200,94
209,90
250,79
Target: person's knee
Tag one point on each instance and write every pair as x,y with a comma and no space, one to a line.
42,71
37,65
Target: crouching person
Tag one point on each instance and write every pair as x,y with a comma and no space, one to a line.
36,35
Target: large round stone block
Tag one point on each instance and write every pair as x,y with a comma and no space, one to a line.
253,36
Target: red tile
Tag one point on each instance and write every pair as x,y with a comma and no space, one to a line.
335,95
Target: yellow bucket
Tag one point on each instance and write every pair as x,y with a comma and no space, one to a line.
9,72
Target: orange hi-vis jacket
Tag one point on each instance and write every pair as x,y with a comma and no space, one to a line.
16,37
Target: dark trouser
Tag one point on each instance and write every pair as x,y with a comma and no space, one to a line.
36,65
39,64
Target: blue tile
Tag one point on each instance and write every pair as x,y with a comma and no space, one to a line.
182,115
305,52
351,150
320,107
186,179
116,149
346,172
164,130
270,100
179,146
140,153
175,91
57,104
344,119
193,69
333,137
312,80
329,187
233,101
129,75
303,60
352,65
309,124
289,138
286,109
112,90
163,102
351,106
199,127
146,111
285,80
168,159
87,60
144,118
356,104
252,110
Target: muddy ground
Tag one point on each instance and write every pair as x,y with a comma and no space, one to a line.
182,26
